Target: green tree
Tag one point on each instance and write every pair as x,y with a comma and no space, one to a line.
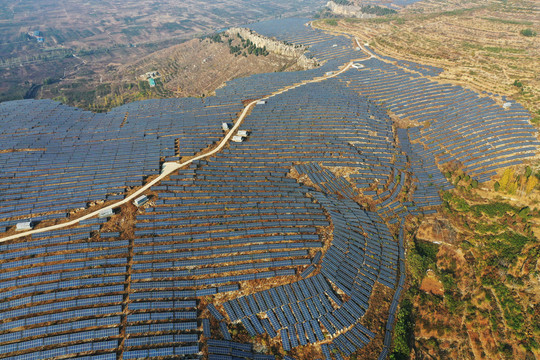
528,32
528,171
403,332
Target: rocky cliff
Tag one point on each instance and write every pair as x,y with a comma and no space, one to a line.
275,46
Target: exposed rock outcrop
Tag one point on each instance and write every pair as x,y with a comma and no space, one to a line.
437,230
348,10
277,47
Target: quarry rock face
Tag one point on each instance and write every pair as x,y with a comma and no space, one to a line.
277,47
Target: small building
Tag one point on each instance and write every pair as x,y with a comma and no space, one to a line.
40,39
140,201
152,75
237,139
152,82
163,167
26,225
507,105
261,102
243,133
335,45
105,213
225,126
329,73
37,33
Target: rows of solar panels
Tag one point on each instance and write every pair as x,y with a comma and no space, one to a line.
55,285
72,158
329,124
67,293
63,158
240,217
463,126
362,252
330,51
225,225
426,70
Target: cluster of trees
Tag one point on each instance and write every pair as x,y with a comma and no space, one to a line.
215,38
510,182
331,22
244,48
422,256
462,180
247,47
403,332
377,10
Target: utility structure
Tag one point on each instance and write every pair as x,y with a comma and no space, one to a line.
26,225
140,201
240,136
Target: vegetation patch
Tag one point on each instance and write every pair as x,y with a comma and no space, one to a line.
403,331
489,296
528,32
331,22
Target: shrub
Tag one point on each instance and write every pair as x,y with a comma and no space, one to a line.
331,22
524,212
528,32
494,209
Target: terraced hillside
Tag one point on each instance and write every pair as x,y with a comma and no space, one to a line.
287,244
489,46
195,68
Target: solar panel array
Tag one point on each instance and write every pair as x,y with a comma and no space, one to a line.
354,262
281,207
331,50
62,293
64,158
426,70
463,126
229,350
